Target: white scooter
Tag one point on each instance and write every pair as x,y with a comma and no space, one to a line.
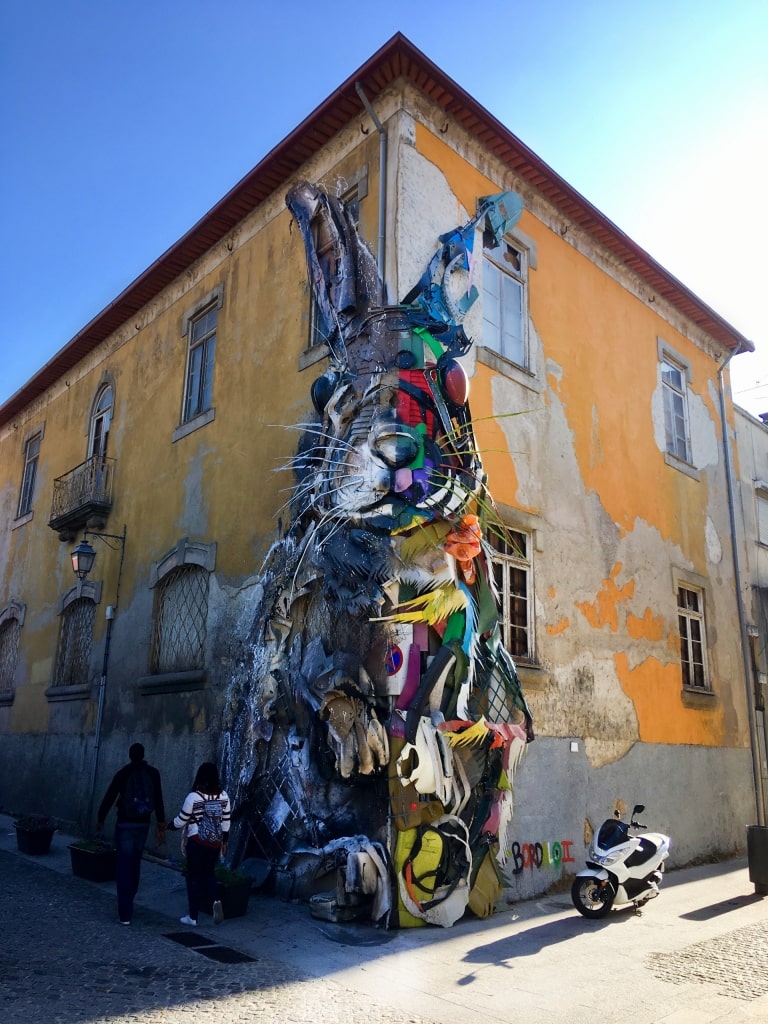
621,867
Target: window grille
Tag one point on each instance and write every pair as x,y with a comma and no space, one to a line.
181,610
10,638
75,643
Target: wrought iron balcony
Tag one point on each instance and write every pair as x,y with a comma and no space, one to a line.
83,497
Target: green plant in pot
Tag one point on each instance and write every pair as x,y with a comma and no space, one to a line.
233,889
94,859
34,833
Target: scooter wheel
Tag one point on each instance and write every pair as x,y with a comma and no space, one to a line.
591,897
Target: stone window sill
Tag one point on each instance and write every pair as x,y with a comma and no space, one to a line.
55,693
172,682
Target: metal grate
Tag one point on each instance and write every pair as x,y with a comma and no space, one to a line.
75,643
10,636
181,610
211,949
281,810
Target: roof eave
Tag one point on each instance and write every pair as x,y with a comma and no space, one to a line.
398,57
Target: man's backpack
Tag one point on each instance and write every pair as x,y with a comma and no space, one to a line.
138,794
209,829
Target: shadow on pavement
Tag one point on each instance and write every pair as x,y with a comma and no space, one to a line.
531,941
716,909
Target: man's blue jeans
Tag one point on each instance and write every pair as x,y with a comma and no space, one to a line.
130,838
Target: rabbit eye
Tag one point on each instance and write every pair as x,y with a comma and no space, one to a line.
405,360
323,388
454,382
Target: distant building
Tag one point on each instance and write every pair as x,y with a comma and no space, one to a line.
596,391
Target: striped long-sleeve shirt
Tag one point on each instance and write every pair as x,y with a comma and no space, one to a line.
192,812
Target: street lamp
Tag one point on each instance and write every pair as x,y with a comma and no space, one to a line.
83,556
82,559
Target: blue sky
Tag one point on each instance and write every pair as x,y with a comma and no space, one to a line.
123,123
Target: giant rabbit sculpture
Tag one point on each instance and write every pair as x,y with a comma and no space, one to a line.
377,727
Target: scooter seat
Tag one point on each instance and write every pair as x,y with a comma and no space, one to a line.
643,853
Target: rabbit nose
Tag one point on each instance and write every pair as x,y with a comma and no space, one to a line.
394,444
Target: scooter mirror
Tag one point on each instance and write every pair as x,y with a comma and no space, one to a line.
639,808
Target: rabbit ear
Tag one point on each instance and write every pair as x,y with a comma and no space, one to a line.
341,270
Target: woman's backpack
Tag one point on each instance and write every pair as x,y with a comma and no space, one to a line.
209,822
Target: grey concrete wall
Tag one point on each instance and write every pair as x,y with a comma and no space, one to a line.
703,797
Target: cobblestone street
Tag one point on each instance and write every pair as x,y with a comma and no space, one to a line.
697,955
65,960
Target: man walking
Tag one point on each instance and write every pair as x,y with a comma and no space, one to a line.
137,789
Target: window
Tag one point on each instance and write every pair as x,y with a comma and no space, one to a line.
181,611
673,379
101,419
319,329
31,455
505,301
761,497
202,348
10,637
512,574
693,652
75,643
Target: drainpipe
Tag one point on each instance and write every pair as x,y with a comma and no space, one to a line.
745,648
380,260
111,609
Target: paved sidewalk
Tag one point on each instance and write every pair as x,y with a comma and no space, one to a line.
698,954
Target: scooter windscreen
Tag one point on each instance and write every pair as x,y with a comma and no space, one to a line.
612,833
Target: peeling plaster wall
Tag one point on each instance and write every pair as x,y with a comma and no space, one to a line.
578,446
573,449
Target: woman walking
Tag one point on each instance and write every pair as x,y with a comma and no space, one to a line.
204,818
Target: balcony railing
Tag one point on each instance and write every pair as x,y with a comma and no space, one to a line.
82,497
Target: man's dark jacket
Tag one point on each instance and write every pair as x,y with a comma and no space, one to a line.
117,789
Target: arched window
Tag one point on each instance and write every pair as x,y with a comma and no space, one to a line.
181,611
101,418
181,581
73,658
11,620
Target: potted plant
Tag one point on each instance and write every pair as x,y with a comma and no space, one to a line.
233,889
94,859
34,833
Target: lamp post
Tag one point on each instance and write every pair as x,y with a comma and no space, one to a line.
83,557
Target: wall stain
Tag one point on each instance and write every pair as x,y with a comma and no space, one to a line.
554,628
604,611
649,627
655,690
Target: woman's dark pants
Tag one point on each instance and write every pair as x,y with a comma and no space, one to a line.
201,877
